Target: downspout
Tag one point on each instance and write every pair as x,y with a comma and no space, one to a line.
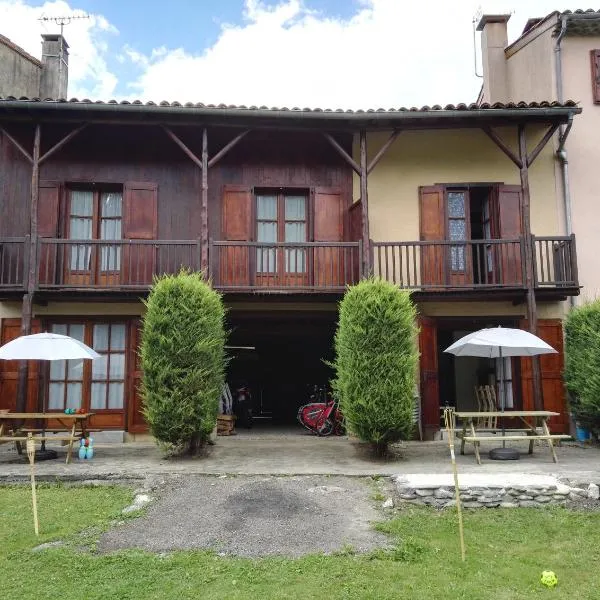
561,152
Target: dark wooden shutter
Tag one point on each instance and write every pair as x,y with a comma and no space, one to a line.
136,423
429,379
507,216
234,260
140,222
552,367
48,213
9,369
329,263
595,60
432,210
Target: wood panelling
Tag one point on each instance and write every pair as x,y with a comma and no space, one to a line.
329,264
135,417
234,262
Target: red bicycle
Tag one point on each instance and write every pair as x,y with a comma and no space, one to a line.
321,416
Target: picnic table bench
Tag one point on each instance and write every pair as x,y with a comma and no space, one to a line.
74,426
536,428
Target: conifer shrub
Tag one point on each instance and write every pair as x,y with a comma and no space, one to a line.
183,360
582,364
376,362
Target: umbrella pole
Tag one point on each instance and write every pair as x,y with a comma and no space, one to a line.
503,395
31,456
449,422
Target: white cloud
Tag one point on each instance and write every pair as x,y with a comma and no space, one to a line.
389,53
89,75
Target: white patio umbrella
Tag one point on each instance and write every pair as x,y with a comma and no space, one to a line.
500,342
46,346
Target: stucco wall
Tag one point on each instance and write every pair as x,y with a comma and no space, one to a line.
448,156
19,76
546,310
13,309
583,148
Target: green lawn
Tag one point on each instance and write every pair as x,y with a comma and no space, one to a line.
506,552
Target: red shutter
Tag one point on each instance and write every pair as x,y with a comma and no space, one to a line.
48,211
595,60
552,367
508,226
140,222
9,369
433,227
430,387
329,264
237,227
135,417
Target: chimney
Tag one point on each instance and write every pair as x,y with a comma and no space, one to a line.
55,66
494,39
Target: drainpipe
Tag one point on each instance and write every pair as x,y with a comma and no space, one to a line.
561,152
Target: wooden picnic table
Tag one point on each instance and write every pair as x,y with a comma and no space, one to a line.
533,421
38,424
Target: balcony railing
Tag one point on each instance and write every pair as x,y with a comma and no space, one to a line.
13,262
475,264
307,266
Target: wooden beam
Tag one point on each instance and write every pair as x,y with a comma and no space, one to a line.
542,143
61,143
366,242
190,154
27,307
383,150
17,145
225,149
500,143
204,206
538,399
342,152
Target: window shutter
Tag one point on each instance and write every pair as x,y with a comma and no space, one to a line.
595,60
432,210
136,423
234,261
48,212
140,222
507,258
330,263
428,367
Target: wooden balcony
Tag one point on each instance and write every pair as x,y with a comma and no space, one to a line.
477,265
13,263
285,267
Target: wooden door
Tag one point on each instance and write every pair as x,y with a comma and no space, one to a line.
507,216
329,264
429,377
136,423
234,261
50,193
552,367
9,370
140,222
433,228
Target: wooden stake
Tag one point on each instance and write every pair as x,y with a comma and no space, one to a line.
449,422
31,456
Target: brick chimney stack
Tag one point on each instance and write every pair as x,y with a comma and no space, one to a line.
494,40
55,66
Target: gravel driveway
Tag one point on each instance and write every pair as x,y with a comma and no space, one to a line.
255,516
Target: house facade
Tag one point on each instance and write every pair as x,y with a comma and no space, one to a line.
557,57
282,209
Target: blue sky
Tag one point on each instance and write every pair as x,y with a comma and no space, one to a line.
327,53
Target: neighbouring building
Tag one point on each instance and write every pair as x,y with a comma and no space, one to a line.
282,208
557,57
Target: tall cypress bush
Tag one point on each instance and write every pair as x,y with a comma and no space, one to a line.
376,362
582,364
183,360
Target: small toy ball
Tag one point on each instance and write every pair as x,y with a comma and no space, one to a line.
549,579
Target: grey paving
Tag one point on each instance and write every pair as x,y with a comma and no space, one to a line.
254,516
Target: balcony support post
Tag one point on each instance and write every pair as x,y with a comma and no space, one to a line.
31,253
366,240
204,206
538,399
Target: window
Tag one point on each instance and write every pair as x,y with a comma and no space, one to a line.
281,217
505,390
457,227
595,59
95,215
90,384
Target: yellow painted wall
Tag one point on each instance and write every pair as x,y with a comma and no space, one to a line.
449,156
13,309
546,310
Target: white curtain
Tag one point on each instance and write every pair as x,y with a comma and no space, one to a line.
80,228
111,204
507,388
295,231
266,216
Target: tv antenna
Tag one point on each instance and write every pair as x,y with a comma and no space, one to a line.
62,21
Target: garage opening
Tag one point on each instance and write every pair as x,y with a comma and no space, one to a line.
280,356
